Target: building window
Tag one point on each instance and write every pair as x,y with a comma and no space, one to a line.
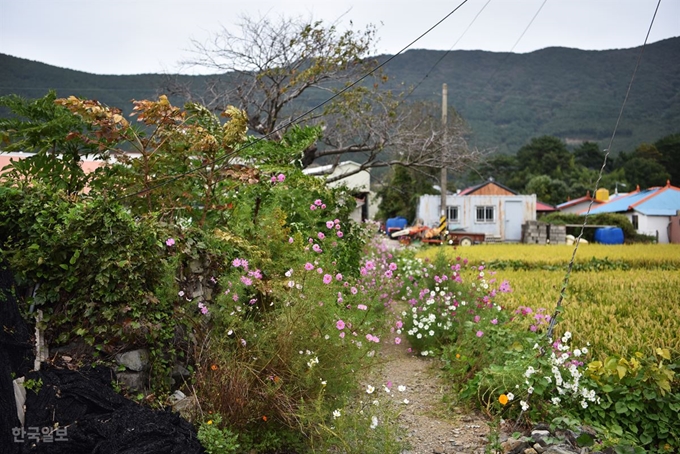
635,221
485,214
452,214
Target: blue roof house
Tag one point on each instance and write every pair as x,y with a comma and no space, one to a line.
649,210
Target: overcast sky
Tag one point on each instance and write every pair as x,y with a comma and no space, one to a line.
153,36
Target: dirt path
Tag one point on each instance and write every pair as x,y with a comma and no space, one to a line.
430,426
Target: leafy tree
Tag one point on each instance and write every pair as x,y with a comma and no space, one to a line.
645,172
51,132
589,155
399,196
274,65
548,189
669,147
545,155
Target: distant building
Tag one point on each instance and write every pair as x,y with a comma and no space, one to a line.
650,211
489,208
582,203
359,183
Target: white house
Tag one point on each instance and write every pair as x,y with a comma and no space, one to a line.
359,183
650,211
498,216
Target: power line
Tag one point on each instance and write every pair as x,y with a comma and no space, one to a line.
446,53
294,120
553,321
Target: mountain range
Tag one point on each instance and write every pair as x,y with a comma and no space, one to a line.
505,98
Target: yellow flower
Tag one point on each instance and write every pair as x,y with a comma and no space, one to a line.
503,399
209,422
457,355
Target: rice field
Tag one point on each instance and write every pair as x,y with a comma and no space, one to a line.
636,255
618,311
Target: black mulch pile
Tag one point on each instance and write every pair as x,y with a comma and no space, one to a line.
77,410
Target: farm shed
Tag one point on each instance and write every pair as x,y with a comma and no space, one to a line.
499,217
650,210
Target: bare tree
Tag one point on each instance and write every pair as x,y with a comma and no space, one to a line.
275,70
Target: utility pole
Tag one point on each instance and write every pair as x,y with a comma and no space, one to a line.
442,182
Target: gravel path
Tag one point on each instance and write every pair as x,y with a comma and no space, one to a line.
430,426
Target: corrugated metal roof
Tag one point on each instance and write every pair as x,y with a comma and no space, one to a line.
659,201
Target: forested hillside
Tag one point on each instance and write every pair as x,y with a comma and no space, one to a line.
507,99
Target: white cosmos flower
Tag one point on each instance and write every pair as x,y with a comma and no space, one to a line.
369,389
401,388
525,406
374,422
336,414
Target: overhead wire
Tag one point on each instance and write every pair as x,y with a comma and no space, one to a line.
565,283
445,53
294,120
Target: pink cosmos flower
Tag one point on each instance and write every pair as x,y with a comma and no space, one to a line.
236,262
340,325
338,277
477,318
399,324
388,273
318,202
327,278
170,242
309,266
312,207
323,206
273,179
397,340
320,235
342,335
370,265
393,266
290,240
354,290
494,321
316,248
246,280
362,307
340,234
281,178
329,224
480,333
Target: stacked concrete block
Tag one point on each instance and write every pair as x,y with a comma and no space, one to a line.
535,232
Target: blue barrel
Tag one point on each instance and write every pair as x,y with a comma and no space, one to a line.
609,235
395,224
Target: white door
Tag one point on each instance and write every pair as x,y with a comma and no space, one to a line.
513,220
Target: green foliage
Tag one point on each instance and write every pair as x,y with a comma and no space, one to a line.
216,439
48,130
640,400
399,194
610,219
547,189
364,427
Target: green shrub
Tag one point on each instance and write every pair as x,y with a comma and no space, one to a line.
612,219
